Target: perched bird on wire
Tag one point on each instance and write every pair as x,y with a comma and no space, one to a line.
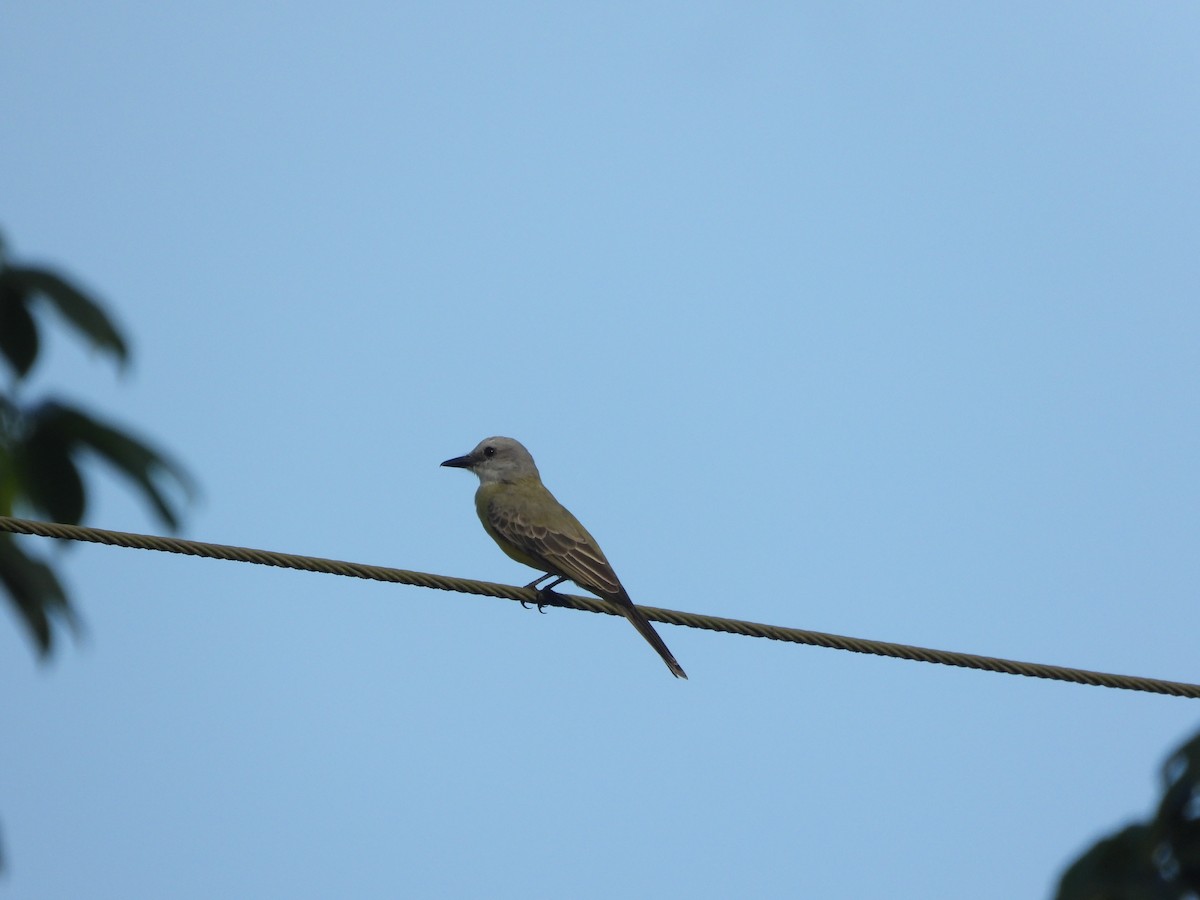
523,517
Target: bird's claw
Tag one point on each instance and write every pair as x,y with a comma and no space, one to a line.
546,597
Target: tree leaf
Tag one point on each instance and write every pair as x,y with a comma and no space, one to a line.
1120,867
49,476
146,467
1176,821
1183,764
35,591
78,308
18,331
10,481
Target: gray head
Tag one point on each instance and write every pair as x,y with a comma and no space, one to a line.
497,459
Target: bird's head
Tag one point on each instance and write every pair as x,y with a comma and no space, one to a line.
497,459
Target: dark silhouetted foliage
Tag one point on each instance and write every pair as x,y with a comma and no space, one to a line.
1154,860
42,443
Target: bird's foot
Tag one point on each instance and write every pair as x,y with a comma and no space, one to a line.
546,597
540,603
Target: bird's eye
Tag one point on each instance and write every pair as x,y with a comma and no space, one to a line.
489,451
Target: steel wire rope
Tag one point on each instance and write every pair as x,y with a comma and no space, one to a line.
591,604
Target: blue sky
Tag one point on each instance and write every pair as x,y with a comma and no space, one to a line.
875,319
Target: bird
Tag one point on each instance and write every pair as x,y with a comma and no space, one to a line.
532,527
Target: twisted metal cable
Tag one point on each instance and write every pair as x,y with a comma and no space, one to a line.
591,604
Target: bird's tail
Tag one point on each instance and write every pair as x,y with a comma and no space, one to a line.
646,630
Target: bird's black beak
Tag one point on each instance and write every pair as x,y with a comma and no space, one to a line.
460,462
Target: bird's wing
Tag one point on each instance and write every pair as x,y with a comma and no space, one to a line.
575,555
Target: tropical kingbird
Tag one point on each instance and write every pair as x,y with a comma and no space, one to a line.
523,517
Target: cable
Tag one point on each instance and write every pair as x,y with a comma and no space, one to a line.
591,604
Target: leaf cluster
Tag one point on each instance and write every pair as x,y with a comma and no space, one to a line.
1154,860
43,443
